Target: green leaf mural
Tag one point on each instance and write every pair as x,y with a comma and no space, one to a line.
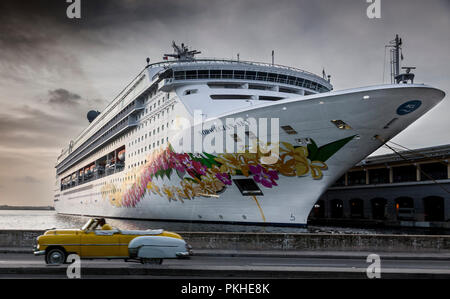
324,152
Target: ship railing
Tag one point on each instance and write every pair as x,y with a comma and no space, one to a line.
301,82
93,175
213,60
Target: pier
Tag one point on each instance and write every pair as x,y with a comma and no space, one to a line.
254,255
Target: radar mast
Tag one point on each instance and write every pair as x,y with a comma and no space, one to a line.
181,52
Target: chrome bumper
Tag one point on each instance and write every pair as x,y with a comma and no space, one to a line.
40,252
183,254
186,253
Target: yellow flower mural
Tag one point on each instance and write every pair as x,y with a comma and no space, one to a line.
206,174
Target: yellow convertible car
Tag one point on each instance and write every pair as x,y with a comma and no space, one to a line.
96,239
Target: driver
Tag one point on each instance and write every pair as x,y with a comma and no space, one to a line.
104,225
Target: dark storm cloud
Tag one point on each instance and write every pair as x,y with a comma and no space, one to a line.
28,128
37,37
63,97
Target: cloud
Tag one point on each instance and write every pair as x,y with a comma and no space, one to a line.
53,70
30,128
63,97
27,180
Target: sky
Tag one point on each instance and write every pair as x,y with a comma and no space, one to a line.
54,69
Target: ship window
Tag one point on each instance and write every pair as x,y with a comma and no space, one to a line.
261,76
250,75
227,74
287,90
215,74
239,74
203,74
190,91
248,187
290,130
269,98
272,77
223,85
291,79
259,87
191,74
390,123
230,97
341,124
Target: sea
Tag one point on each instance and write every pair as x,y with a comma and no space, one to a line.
45,219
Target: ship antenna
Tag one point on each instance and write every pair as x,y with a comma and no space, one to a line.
396,56
397,49
182,53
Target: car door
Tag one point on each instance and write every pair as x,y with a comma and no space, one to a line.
100,243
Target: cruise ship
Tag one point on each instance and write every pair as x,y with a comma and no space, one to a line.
228,141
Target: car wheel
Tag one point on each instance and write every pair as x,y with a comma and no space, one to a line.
55,256
152,261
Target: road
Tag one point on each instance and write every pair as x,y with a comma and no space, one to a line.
21,265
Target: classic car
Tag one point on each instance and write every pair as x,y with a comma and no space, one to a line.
96,239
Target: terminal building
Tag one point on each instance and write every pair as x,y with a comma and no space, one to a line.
406,188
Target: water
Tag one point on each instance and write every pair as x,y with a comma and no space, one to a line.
42,220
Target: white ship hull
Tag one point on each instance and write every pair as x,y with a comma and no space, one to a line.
372,114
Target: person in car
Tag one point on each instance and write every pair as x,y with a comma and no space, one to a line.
104,226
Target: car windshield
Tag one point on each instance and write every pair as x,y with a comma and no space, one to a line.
87,225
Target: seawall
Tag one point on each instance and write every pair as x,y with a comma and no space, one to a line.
280,241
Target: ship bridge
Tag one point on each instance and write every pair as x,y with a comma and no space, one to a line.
216,85
245,71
